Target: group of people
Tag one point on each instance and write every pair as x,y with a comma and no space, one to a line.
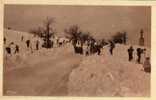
140,52
13,48
87,48
30,43
90,47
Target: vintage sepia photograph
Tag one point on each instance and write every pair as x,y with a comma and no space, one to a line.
77,50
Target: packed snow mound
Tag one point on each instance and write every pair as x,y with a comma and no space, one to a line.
107,75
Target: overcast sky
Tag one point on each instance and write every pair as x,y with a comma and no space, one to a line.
99,20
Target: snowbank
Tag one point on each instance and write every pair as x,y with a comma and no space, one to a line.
107,75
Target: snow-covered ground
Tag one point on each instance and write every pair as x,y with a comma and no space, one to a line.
58,71
107,75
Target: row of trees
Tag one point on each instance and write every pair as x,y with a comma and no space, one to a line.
73,33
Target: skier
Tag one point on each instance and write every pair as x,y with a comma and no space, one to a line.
139,52
130,53
112,46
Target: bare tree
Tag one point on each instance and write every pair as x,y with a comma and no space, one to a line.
73,33
48,32
45,32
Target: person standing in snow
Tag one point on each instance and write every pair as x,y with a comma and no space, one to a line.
4,40
112,46
8,50
91,46
124,37
86,48
28,43
139,52
87,51
16,49
37,45
130,53
143,55
98,49
22,38
31,47
147,65
12,46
